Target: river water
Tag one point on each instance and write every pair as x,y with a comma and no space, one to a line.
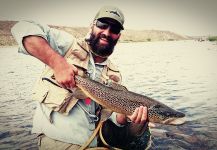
181,74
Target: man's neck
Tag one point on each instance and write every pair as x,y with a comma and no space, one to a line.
98,59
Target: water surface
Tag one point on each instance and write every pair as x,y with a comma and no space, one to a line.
181,74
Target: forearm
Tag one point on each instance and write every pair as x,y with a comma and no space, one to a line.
40,48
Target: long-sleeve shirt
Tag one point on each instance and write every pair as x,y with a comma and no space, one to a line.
78,125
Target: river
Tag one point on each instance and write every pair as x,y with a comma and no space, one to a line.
181,74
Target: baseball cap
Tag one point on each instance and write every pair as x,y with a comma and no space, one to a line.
111,12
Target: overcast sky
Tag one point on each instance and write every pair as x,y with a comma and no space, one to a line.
188,17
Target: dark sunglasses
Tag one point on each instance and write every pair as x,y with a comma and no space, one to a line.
104,25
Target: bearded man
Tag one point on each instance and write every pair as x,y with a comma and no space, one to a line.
62,120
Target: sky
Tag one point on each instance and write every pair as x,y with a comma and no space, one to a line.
186,17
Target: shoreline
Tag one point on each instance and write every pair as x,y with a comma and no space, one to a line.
13,46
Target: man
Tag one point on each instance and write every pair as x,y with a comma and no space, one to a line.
63,121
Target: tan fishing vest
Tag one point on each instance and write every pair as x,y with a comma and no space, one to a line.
60,99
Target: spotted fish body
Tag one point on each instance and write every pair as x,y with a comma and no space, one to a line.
118,99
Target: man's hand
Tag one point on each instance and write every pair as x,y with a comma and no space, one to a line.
140,115
64,74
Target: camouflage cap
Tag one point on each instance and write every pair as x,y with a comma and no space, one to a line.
111,12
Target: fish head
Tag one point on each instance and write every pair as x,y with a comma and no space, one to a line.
163,114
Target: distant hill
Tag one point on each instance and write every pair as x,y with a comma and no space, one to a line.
150,35
6,38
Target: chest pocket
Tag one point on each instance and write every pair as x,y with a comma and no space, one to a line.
48,92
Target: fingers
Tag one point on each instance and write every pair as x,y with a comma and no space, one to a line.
65,76
144,115
134,115
70,83
75,70
139,115
67,84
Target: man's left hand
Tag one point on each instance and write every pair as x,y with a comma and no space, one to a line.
140,115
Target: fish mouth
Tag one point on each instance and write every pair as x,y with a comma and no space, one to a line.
175,121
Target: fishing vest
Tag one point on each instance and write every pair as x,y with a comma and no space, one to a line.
60,99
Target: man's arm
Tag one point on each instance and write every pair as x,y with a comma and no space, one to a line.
48,45
40,48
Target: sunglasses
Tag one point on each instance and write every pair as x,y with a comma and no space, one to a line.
104,25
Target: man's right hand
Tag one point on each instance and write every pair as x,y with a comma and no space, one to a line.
64,74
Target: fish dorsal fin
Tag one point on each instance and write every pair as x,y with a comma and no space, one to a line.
78,93
105,114
117,86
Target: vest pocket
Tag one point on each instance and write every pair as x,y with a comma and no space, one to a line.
51,94
40,91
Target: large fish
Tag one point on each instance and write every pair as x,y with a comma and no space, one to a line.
118,99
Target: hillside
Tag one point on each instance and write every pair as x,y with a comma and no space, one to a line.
6,38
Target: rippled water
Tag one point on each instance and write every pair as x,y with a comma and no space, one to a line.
180,74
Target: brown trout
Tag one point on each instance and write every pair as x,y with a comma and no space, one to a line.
118,99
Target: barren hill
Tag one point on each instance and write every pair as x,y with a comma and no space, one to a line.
6,38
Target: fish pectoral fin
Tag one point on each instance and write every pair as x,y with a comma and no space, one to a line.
117,86
78,93
105,114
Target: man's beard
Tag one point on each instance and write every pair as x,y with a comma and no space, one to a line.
100,49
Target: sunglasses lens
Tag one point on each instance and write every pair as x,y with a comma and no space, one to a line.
104,25
115,30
